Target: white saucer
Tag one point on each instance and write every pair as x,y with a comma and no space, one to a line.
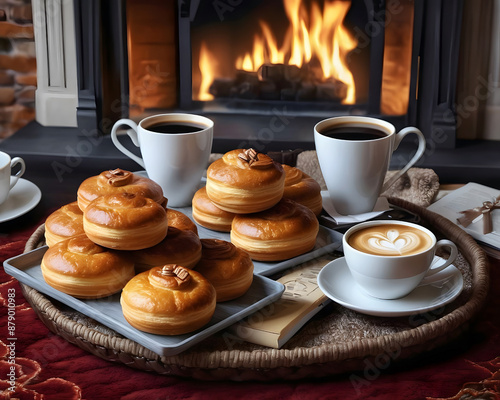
22,198
336,282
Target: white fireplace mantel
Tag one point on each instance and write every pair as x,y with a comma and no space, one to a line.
57,91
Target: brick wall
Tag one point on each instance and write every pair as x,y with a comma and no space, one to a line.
17,66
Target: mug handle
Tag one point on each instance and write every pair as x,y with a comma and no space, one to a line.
13,163
420,151
429,276
132,133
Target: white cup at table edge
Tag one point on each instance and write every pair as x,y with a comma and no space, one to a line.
8,181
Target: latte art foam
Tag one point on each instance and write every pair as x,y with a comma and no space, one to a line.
390,240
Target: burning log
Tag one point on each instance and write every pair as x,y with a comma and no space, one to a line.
221,87
246,90
279,73
271,72
269,90
332,90
279,82
246,77
246,85
306,92
294,73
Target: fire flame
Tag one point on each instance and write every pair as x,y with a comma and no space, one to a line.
207,75
319,34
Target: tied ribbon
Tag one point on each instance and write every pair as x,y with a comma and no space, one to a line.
485,210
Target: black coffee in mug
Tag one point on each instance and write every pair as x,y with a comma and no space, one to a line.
175,127
353,133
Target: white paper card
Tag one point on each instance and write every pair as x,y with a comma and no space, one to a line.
469,196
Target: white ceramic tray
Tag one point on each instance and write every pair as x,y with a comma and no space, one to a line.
26,269
327,241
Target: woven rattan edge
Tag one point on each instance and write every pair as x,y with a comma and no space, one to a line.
274,363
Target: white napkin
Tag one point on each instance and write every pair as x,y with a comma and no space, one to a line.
381,206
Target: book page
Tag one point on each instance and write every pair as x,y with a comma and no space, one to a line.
468,197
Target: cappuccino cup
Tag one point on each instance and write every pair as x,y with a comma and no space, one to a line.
389,259
175,149
7,181
354,155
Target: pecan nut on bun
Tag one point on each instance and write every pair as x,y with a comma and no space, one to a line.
117,181
208,215
228,268
284,231
180,220
79,267
125,221
168,300
303,189
63,223
182,247
244,181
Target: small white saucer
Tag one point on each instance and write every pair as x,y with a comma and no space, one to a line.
336,282
22,198
381,206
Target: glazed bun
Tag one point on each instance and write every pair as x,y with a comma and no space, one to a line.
118,181
303,189
244,181
181,221
284,231
182,247
168,300
83,269
228,268
125,221
208,215
63,223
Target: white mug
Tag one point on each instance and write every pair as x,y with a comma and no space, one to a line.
354,170
393,276
7,182
176,161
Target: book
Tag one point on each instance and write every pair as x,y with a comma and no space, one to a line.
276,323
465,207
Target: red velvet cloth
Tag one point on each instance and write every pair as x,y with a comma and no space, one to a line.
48,367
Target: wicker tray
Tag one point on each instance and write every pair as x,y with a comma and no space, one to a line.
336,340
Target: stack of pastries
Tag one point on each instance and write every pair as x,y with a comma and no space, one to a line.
120,236
269,209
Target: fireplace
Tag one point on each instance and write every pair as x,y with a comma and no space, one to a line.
264,71
300,58
313,57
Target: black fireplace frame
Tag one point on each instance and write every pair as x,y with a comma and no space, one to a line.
103,76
